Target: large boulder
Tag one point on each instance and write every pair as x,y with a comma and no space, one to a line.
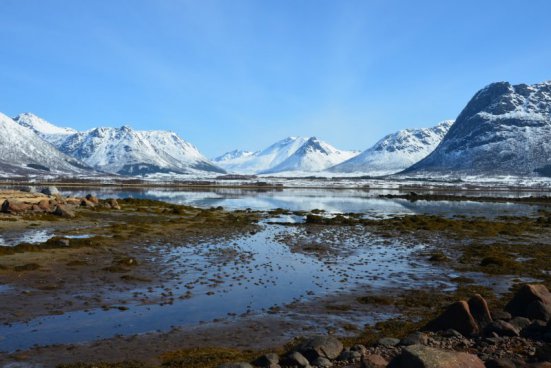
419,356
61,210
457,317
480,311
320,346
14,206
501,328
531,301
295,359
267,360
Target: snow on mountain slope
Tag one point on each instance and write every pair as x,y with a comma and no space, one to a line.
45,130
234,156
314,155
24,152
262,160
396,151
504,130
128,152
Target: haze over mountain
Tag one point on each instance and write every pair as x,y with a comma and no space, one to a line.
395,152
504,130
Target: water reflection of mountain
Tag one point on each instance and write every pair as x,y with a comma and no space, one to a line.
342,201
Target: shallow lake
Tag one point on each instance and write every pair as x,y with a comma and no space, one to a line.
333,201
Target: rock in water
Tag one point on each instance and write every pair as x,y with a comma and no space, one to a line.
419,356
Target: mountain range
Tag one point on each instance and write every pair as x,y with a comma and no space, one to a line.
395,152
292,154
122,151
22,152
503,130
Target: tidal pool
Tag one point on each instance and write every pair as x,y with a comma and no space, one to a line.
250,275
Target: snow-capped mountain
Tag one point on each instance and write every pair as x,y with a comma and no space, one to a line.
314,155
263,160
45,130
233,158
396,152
503,130
24,152
128,152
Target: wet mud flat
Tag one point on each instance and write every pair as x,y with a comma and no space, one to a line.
151,279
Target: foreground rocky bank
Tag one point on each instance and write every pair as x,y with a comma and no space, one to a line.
115,252
466,335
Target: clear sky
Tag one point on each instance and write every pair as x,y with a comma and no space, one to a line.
242,74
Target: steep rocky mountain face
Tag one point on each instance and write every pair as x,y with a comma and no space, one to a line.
504,130
313,156
22,152
128,152
395,152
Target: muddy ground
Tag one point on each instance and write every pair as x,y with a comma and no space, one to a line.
115,266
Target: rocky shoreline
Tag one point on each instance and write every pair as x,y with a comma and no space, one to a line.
100,243
466,335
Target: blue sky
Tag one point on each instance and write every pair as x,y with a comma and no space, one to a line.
243,74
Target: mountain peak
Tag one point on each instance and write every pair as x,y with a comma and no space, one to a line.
397,151
503,129
45,130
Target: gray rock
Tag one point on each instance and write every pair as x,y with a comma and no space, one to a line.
502,315
501,328
358,347
416,338
322,362
267,360
320,346
388,342
350,356
295,359
61,210
520,323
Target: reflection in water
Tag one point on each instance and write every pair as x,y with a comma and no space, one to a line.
11,238
333,201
